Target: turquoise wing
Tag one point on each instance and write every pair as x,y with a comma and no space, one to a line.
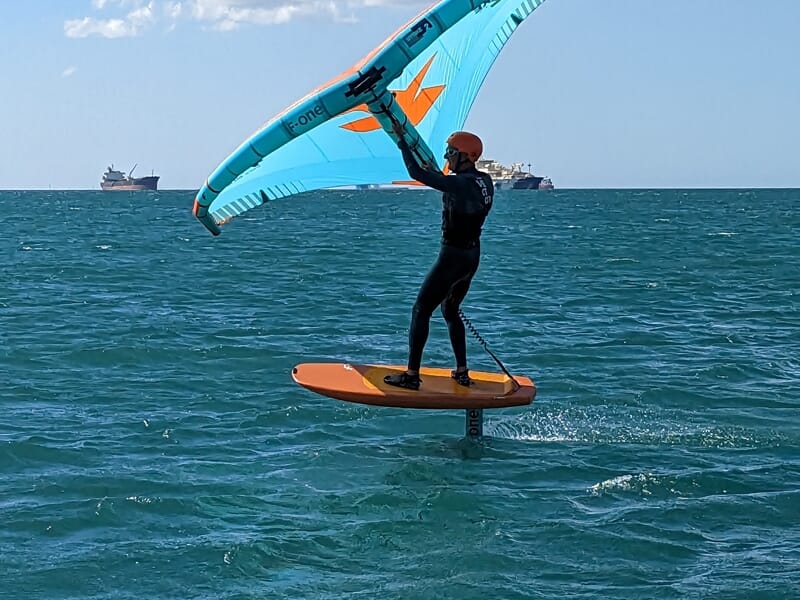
434,66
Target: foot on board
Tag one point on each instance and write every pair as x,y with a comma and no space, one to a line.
403,380
461,377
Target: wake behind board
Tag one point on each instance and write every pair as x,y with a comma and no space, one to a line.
364,384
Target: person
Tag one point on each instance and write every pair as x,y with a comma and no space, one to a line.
467,197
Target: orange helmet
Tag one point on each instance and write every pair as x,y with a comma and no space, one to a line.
468,143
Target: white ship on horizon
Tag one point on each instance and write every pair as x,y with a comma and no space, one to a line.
513,177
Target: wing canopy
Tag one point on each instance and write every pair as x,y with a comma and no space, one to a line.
433,66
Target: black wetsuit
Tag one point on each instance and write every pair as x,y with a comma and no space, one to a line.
466,200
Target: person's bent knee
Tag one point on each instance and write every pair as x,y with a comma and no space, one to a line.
421,310
450,312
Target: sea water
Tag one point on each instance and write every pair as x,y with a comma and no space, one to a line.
154,445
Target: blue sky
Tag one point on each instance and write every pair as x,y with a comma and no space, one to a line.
615,93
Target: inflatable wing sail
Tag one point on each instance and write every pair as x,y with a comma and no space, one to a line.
421,82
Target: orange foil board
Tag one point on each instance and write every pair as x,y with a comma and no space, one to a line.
364,384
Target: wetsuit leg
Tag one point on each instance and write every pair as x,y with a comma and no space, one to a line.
452,266
450,306
455,326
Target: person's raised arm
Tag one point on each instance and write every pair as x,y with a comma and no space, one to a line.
433,179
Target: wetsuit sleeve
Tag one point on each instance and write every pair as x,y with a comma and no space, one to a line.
437,181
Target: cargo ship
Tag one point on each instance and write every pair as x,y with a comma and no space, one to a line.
118,181
513,177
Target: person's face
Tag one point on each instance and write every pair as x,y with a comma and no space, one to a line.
451,154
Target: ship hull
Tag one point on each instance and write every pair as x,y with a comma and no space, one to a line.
530,182
138,184
527,183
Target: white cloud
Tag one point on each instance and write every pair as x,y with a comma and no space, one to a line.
110,28
173,10
222,15
141,16
130,25
232,14
69,71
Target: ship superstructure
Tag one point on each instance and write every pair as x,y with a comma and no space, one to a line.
513,177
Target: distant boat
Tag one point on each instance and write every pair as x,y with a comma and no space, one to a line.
118,181
513,177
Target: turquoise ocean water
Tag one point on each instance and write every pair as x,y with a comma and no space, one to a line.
153,444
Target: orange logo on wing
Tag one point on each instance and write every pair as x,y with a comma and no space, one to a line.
415,103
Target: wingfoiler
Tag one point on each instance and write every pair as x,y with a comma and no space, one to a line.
419,84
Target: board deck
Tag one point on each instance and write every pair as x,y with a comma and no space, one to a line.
364,384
